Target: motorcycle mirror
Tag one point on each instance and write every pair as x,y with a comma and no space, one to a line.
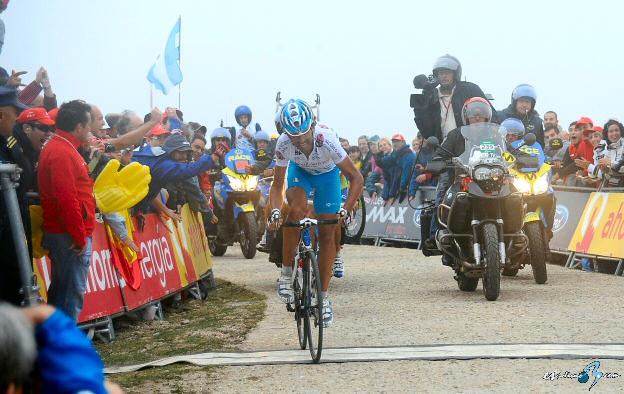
555,144
529,139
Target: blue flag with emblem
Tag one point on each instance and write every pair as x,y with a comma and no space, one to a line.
166,73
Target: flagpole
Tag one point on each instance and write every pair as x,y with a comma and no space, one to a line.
180,61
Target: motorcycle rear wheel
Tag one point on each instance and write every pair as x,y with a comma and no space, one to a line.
537,252
491,261
510,271
466,284
215,248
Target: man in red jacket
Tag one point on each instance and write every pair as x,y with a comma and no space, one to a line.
66,193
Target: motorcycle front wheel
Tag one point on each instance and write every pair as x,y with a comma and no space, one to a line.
537,250
248,234
491,261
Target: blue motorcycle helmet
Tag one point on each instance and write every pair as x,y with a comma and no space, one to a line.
242,110
524,90
513,126
218,133
262,135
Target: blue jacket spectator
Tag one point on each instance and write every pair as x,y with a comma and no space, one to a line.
400,161
164,169
422,158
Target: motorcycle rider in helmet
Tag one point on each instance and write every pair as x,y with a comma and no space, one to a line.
262,154
522,107
244,132
515,133
475,110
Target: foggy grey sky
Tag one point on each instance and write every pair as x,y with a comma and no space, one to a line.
359,56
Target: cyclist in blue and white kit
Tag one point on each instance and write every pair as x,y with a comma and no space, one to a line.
314,159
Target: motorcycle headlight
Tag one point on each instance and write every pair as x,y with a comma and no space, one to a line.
523,186
236,184
252,183
541,185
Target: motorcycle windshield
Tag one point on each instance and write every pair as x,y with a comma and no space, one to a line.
238,159
485,144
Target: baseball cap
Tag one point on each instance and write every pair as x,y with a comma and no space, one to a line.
157,130
176,142
592,130
584,120
52,114
374,138
197,128
35,115
8,97
398,137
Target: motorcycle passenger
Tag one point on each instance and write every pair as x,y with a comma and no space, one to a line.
522,107
262,153
313,158
475,110
245,131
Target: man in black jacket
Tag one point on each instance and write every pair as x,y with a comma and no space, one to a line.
522,107
445,114
10,282
34,127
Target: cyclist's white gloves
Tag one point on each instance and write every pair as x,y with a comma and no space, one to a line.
274,217
343,213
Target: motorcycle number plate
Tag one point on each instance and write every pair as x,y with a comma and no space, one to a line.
246,207
531,217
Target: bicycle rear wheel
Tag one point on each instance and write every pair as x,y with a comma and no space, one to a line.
299,311
313,305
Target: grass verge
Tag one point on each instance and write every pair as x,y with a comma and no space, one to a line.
219,323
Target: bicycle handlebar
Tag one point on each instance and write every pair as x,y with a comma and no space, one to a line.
309,222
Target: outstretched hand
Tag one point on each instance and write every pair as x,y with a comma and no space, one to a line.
221,150
116,191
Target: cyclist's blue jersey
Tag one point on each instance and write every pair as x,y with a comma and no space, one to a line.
326,154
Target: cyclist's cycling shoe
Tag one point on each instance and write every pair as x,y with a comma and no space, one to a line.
285,289
328,314
338,267
262,245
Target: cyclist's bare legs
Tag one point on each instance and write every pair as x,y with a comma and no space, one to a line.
327,254
298,203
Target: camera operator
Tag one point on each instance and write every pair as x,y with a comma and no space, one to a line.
439,109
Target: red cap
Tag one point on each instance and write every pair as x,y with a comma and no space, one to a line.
53,114
157,130
585,120
398,137
593,129
35,115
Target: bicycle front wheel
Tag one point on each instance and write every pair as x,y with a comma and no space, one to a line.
313,305
299,311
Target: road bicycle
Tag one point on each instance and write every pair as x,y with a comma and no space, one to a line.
308,301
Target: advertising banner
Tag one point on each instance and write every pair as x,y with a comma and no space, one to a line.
568,214
399,220
601,228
